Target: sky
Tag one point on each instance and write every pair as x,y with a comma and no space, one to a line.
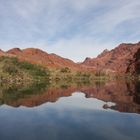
74,29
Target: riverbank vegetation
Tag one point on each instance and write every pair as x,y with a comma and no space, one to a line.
14,71
68,75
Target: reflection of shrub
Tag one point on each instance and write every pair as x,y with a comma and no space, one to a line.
65,70
68,78
100,73
78,74
13,92
85,75
64,86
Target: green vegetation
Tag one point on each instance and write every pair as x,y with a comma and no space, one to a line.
68,75
20,79
13,71
17,72
65,70
12,93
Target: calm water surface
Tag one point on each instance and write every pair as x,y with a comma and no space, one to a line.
102,111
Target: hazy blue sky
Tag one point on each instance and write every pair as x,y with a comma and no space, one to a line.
71,28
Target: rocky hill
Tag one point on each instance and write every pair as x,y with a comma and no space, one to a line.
122,59
116,61
134,67
37,56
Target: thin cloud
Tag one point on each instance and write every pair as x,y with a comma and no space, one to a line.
74,29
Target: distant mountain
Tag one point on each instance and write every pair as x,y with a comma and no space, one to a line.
117,60
2,52
122,59
37,56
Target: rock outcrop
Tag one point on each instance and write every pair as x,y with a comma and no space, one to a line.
1,52
134,67
117,60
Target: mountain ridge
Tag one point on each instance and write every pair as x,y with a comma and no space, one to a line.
116,60
40,57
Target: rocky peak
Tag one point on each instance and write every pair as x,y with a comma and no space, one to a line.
34,51
103,53
40,57
1,51
134,67
118,59
14,51
137,55
87,59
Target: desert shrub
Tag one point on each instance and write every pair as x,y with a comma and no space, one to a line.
65,70
78,74
35,70
26,65
10,69
41,71
11,65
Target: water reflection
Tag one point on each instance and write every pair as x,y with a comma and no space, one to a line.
83,112
125,94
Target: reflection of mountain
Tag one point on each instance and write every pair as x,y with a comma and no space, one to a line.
126,95
51,95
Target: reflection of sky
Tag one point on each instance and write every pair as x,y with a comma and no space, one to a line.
78,100
70,118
